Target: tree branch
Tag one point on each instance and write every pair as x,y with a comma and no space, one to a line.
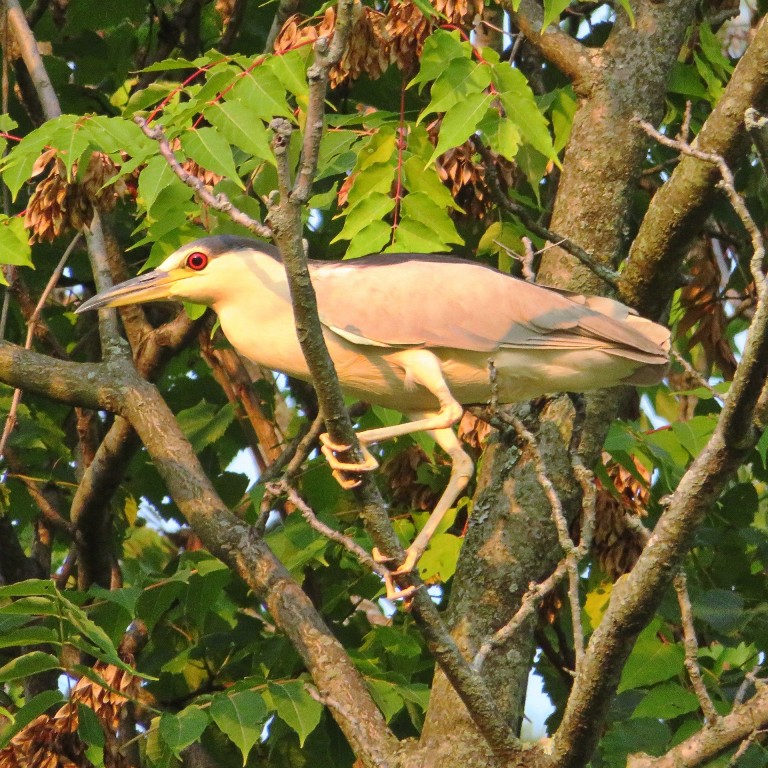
692,650
712,740
636,597
573,59
32,59
680,206
285,218
504,201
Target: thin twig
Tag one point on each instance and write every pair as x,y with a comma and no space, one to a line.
527,261
692,651
531,600
540,469
744,746
219,202
10,421
503,201
695,375
750,680
757,127
282,487
568,565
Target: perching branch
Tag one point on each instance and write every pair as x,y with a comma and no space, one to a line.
285,218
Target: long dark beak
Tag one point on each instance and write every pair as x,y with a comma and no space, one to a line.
152,286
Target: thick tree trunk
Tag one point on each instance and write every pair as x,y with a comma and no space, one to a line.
511,539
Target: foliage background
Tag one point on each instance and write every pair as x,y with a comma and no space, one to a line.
117,556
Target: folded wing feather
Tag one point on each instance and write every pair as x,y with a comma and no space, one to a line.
433,301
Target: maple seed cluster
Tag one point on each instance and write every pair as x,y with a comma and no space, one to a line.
52,741
377,39
616,542
58,204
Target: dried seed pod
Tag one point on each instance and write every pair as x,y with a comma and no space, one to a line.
616,544
52,741
58,204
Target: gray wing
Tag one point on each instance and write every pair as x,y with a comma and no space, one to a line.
427,301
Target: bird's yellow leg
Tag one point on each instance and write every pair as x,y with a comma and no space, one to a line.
462,469
423,368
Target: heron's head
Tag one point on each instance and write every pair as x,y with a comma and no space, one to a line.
202,271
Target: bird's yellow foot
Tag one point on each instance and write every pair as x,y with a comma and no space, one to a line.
393,591
329,449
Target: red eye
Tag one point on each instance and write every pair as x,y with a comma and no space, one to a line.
197,260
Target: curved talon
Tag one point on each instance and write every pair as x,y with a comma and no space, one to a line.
379,557
329,450
347,483
325,439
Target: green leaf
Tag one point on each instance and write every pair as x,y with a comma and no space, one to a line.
552,11
684,80
14,243
596,604
439,561
440,48
462,78
208,148
651,661
370,239
241,716
89,728
647,735
204,424
31,635
721,609
420,207
31,663
116,134
386,696
667,701
180,63
154,602
290,68
296,707
417,178
240,124
628,10
374,179
461,122
156,177
414,237
261,89
180,730
501,134
521,108
374,208
695,433
32,709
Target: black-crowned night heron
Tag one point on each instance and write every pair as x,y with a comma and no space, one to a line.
419,334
